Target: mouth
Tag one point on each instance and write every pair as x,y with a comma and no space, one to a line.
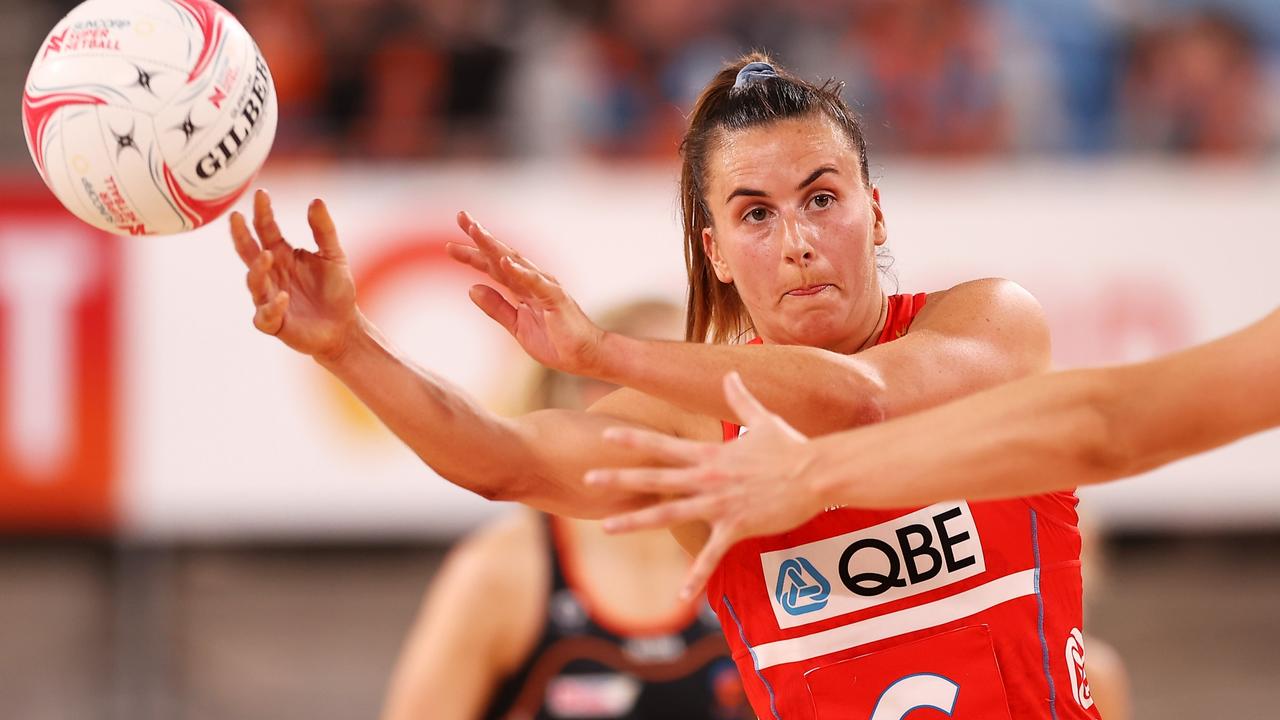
810,290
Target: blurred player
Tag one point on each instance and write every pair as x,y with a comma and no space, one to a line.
1108,676
537,616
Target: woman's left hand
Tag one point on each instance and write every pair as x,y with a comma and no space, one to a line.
747,488
546,322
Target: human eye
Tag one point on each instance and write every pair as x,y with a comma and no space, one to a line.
756,215
822,201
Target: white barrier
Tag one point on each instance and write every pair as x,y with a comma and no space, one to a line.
227,433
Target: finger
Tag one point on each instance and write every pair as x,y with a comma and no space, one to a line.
269,318
481,237
323,230
707,561
246,247
471,256
660,481
261,286
495,306
467,255
490,250
664,447
525,262
264,221
661,515
532,282
742,402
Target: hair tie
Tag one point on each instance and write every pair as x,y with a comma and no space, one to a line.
752,73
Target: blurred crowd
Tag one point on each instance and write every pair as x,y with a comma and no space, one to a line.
388,79
612,78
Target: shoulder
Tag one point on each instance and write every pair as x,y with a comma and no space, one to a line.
480,618
501,557
492,585
633,406
987,295
998,313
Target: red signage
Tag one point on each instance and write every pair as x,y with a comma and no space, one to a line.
59,338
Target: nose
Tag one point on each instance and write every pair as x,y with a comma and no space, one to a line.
797,247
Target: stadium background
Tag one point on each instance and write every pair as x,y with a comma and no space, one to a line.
198,524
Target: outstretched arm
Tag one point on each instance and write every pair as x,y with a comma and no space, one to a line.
307,300
538,459
974,336
971,337
1054,432
1042,434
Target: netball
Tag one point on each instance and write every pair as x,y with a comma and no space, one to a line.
148,117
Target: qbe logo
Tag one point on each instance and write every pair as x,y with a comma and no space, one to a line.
800,588
908,555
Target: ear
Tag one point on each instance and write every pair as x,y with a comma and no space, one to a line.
712,249
879,232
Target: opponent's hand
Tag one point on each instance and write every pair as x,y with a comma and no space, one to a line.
546,322
307,299
742,489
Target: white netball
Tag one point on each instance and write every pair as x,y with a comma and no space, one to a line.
149,117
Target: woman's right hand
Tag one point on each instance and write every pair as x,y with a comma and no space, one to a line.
307,299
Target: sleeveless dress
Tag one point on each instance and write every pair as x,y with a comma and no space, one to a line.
968,610
587,666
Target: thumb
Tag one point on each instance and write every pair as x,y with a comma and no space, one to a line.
495,306
706,562
742,402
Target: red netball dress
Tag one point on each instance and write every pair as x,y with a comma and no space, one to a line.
968,610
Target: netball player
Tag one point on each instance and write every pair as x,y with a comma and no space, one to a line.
541,617
865,613
1038,435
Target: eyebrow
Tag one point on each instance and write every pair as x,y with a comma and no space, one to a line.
746,191
817,174
813,176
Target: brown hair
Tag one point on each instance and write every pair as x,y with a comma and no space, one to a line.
715,311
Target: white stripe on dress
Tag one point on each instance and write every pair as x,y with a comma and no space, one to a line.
938,612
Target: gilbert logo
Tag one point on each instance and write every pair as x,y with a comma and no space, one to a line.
908,555
801,589
244,128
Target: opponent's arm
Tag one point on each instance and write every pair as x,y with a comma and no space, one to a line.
1053,432
307,300
973,336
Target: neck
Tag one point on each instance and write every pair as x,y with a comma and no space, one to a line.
870,331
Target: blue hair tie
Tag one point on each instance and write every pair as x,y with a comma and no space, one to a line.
752,73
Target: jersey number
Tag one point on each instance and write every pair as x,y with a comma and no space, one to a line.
913,692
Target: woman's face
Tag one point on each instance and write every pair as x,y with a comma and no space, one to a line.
795,229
